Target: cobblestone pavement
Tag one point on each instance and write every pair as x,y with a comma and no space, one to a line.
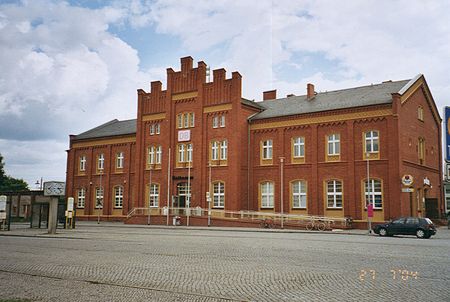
107,263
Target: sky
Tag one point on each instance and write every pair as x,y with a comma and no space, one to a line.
68,66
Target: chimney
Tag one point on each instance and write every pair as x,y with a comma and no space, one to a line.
310,93
270,95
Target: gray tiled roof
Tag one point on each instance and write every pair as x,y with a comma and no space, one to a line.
331,100
111,128
251,103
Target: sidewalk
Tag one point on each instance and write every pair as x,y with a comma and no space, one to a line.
20,230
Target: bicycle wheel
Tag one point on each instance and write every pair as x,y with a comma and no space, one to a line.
321,226
310,226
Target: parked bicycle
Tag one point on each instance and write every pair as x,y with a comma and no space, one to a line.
316,225
267,223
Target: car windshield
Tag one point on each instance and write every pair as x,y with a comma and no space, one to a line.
428,221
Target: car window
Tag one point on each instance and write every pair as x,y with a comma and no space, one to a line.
399,221
412,220
428,220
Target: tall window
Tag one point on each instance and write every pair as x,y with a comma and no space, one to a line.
154,195
334,194
152,129
215,122
299,146
372,141
373,193
158,155
180,120
215,150
118,197
151,155
420,113
223,150
334,144
222,121
298,189
191,119
101,161
219,195
267,194
189,153
181,153
267,149
421,150
81,197
83,163
157,128
119,160
186,120
99,197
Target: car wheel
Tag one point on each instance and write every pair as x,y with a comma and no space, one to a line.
420,233
427,236
383,232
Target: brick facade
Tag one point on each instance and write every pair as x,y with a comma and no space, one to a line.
244,174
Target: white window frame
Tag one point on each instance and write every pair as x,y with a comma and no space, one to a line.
158,154
99,197
267,194
215,122
152,129
335,194
181,155
224,150
215,150
81,198
83,163
299,147
180,120
153,200
189,152
372,141
157,128
151,155
374,197
219,194
334,144
191,119
186,120
222,121
118,197
119,160
299,195
447,198
267,149
101,162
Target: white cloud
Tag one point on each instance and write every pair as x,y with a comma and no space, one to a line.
62,72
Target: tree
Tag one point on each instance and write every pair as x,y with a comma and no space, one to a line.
8,183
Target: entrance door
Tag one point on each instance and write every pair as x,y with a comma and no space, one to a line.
431,208
183,191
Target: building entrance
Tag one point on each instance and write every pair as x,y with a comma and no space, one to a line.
183,191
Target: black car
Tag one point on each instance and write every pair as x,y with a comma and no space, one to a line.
421,227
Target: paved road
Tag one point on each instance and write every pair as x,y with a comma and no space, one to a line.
148,264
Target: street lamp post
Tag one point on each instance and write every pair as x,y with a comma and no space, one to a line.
189,192
100,200
281,190
149,193
368,202
209,196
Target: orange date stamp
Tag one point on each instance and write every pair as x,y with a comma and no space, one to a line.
396,274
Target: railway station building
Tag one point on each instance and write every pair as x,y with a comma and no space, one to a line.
321,153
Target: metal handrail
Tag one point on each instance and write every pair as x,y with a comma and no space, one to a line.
252,215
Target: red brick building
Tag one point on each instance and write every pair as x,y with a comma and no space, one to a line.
204,136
